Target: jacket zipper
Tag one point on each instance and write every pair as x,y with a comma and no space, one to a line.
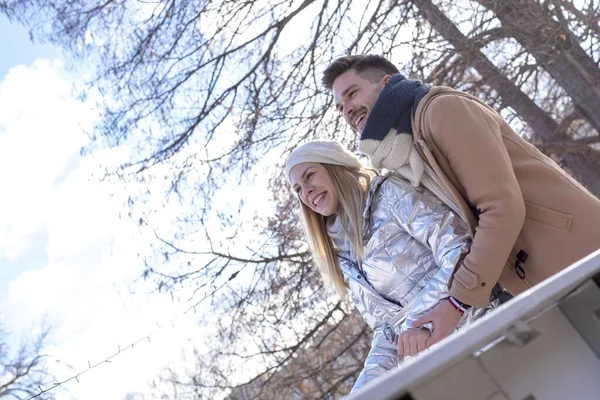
363,277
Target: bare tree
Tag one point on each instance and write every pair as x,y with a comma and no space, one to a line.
211,94
23,372
556,48
581,160
584,22
321,369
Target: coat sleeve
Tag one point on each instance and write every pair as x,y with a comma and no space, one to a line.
434,291
428,220
469,137
381,358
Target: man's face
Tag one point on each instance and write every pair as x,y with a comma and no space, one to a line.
355,97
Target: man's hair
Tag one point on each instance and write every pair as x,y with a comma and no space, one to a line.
372,67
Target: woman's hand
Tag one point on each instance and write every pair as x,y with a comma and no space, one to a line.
413,341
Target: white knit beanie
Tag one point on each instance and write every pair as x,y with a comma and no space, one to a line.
321,151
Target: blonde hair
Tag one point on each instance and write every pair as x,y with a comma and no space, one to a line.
351,186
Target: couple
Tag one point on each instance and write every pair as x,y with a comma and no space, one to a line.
467,207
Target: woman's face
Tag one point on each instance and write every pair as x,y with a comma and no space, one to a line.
313,184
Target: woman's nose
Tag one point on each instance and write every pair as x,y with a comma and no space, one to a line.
307,190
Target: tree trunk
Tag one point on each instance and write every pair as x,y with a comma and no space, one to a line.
584,166
556,50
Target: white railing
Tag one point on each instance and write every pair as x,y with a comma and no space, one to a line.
507,323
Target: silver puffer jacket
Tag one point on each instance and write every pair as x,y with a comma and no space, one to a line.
412,244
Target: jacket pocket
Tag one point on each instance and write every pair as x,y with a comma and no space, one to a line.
547,216
465,277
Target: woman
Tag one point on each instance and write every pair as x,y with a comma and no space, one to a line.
391,246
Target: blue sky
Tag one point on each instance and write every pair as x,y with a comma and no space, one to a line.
16,47
65,255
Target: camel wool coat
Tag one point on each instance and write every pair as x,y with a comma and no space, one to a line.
528,218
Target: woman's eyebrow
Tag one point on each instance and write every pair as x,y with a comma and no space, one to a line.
303,176
305,171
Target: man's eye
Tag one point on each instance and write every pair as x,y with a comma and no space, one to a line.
310,175
352,93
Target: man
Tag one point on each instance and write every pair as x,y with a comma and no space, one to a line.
528,218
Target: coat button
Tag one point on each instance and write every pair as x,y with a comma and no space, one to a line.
359,277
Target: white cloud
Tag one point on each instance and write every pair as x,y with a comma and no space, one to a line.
91,254
39,131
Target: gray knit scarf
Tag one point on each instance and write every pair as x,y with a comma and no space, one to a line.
387,137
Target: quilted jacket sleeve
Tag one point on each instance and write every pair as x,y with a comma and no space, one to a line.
429,221
381,358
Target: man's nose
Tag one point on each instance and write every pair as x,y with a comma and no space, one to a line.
348,110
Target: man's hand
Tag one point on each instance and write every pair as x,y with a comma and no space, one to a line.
444,318
412,341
